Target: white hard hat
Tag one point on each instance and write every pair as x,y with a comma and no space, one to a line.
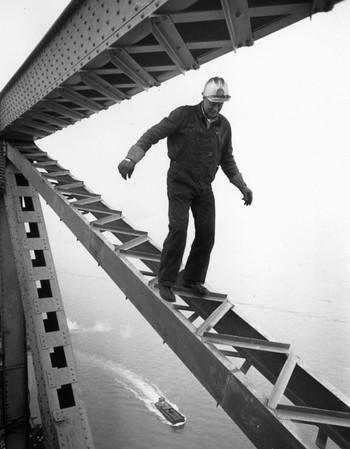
216,90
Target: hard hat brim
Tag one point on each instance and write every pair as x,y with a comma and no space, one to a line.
214,99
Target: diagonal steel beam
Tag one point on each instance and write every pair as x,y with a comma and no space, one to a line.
244,403
70,95
167,35
100,85
121,59
238,22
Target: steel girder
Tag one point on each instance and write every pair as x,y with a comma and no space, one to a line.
14,408
25,252
209,334
100,52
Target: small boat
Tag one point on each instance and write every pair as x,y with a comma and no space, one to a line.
169,412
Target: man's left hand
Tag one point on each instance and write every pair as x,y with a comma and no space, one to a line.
247,196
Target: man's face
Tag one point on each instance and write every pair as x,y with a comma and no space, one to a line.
211,109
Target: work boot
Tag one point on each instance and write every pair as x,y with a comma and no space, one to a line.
166,293
197,287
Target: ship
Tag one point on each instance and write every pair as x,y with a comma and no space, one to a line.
169,412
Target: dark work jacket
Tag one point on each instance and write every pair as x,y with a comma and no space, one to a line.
181,125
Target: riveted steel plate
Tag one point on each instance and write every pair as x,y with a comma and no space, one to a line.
94,26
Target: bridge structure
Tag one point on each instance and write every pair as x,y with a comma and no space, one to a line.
98,53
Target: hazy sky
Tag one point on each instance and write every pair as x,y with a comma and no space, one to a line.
290,118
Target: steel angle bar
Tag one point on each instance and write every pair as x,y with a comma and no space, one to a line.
313,415
321,439
278,24
215,317
121,59
170,39
280,10
88,200
238,22
248,343
154,257
132,243
227,353
33,155
197,16
103,209
282,381
54,106
21,129
36,125
55,174
48,118
107,220
69,94
103,87
45,164
72,185
115,229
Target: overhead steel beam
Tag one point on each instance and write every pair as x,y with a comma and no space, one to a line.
80,100
100,85
147,41
52,105
238,22
80,34
122,60
170,39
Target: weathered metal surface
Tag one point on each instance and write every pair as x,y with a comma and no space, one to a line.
2,167
62,410
216,369
99,53
14,408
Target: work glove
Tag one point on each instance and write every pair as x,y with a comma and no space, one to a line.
238,181
247,196
126,168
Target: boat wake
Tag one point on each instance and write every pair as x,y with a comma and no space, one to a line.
74,327
144,390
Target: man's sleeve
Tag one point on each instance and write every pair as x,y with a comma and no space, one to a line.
169,125
228,163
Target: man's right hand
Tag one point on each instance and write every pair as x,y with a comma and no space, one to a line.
126,168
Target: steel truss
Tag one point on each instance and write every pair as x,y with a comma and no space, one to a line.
101,52
228,355
25,252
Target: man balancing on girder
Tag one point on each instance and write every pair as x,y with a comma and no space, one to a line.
199,141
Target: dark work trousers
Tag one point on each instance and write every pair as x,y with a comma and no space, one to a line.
189,188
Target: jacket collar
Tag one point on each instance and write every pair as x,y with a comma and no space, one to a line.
200,113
